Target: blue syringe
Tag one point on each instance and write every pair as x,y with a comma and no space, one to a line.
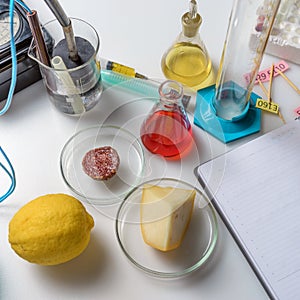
126,78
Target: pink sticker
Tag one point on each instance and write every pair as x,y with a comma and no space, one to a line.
264,75
297,111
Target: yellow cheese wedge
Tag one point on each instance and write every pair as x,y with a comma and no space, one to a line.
165,215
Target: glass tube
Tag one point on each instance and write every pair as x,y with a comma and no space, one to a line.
242,55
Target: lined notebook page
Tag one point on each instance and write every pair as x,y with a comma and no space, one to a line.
256,189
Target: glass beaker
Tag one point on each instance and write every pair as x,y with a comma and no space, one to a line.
73,87
242,55
166,130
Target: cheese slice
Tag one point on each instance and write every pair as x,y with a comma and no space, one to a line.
165,215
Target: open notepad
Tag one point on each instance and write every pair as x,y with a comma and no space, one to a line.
256,190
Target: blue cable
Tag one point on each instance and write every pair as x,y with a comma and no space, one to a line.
11,175
13,55
10,95
24,6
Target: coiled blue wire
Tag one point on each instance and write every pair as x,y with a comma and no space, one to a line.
13,54
11,175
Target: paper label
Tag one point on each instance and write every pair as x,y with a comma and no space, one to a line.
267,106
297,111
264,76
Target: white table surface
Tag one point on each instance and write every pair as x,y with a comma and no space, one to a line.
32,133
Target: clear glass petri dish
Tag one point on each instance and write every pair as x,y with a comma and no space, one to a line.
105,192
196,248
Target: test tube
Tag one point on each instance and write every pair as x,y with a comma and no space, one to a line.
242,55
68,85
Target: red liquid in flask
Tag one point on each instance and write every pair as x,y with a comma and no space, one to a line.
167,133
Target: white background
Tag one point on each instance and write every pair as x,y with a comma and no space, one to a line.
135,33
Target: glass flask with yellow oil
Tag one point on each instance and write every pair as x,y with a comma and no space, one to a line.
187,60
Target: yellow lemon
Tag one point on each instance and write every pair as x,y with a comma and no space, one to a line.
50,229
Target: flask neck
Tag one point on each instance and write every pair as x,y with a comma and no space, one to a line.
195,39
171,93
190,26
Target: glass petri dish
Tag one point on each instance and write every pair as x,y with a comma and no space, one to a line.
197,246
105,192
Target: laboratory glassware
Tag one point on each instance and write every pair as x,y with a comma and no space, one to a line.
187,60
227,109
166,130
241,57
74,87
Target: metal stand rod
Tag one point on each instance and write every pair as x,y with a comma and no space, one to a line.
65,22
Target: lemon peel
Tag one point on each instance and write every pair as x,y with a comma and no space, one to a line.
51,229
